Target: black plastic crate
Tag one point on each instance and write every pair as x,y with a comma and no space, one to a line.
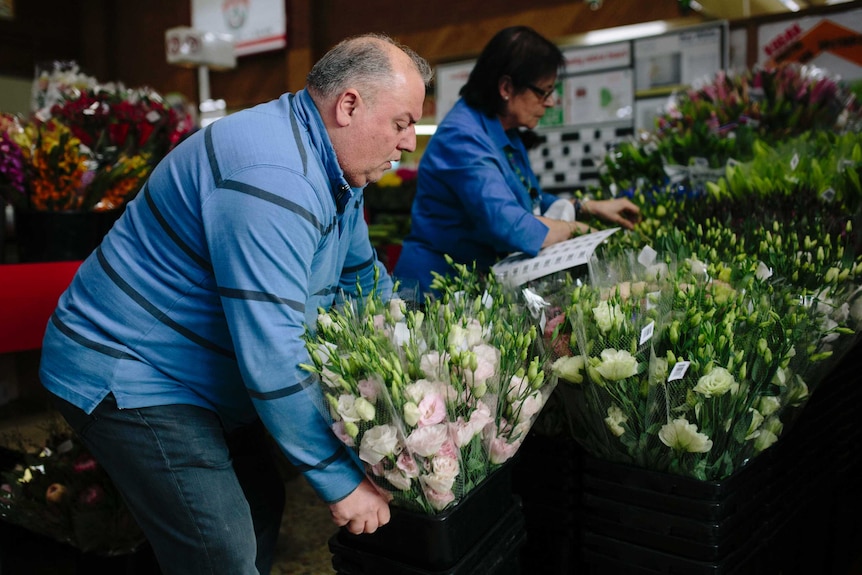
604,555
679,495
553,540
696,539
496,553
439,541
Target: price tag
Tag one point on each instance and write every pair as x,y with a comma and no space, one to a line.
646,332
678,371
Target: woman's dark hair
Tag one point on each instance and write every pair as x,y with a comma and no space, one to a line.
518,52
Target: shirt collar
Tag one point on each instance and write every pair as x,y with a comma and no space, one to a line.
308,114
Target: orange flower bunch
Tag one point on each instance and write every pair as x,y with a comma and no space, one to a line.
56,166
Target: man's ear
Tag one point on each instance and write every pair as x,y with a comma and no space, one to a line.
345,106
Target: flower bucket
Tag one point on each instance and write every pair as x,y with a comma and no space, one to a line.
436,542
44,236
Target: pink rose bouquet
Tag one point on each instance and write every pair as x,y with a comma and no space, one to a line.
431,401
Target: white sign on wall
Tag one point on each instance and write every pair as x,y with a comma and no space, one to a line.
579,60
256,25
450,79
678,59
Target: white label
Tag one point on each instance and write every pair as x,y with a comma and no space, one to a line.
678,371
646,332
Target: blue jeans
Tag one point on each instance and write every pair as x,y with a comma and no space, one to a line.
207,502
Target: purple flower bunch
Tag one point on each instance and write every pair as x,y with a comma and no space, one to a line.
12,165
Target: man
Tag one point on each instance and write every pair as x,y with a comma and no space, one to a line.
179,339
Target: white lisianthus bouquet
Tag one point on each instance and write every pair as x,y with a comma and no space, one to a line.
696,371
431,400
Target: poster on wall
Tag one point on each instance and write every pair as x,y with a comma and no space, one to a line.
449,79
669,61
833,43
256,25
598,98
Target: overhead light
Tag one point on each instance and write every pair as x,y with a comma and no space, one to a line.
791,5
620,33
426,129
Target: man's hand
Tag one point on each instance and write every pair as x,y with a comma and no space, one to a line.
363,511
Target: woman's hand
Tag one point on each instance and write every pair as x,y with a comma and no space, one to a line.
559,230
620,211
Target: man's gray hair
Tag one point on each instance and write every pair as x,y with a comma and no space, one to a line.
363,62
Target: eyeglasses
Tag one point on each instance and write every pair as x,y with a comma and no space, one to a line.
542,94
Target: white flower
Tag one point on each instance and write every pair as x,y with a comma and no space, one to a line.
768,405
457,338
764,440
397,479
411,413
717,382
325,352
798,393
330,378
378,442
615,419
435,365
780,377
400,334
608,316
698,268
754,427
680,435
346,408
570,368
763,271
397,308
856,306
657,271
325,322
617,364
364,409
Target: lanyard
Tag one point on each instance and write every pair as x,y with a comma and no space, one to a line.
535,200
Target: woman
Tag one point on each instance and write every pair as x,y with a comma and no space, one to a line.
477,197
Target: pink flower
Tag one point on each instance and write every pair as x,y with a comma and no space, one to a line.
407,465
341,433
426,441
448,449
502,451
368,389
92,495
85,463
461,431
439,500
432,410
